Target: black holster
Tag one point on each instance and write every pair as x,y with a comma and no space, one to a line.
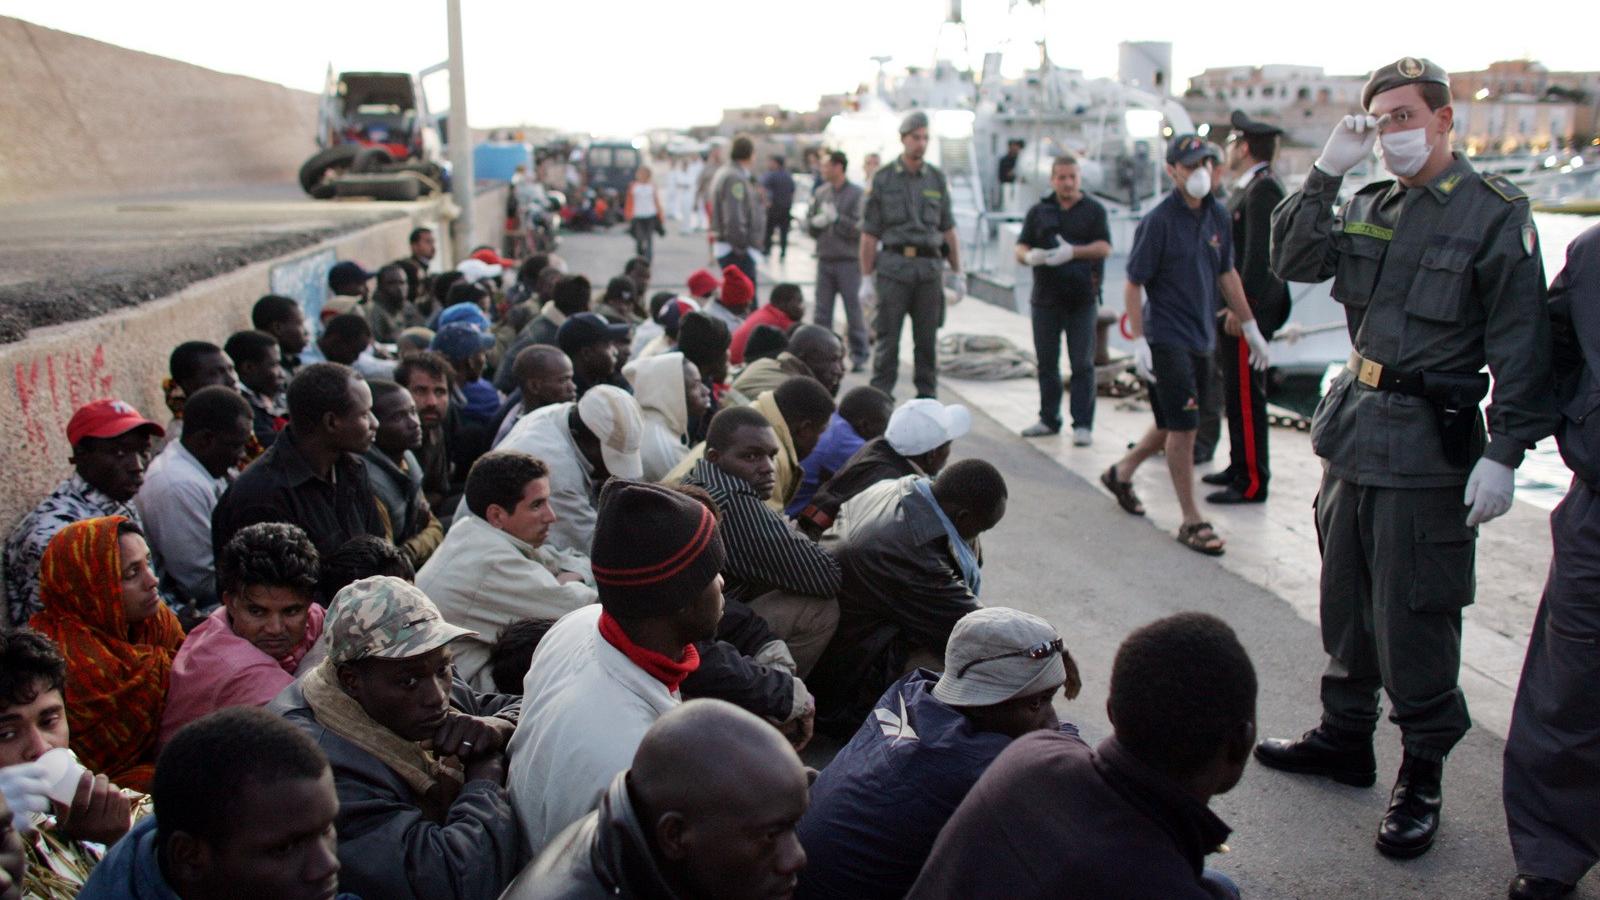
1455,398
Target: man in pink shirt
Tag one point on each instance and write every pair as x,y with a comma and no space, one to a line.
786,307
251,646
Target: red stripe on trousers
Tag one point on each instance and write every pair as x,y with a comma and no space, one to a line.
1247,420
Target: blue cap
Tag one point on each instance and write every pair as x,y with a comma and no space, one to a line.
588,328
459,341
466,314
1188,149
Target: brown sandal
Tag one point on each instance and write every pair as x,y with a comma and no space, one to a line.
1123,491
1201,538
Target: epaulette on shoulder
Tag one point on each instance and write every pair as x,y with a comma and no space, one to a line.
1503,186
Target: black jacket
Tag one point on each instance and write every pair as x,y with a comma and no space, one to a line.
902,590
602,855
728,672
1575,332
1251,212
876,461
280,487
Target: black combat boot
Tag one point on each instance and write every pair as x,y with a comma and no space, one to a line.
1344,756
1413,818
1534,887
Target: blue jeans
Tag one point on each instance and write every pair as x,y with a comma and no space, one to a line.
1078,321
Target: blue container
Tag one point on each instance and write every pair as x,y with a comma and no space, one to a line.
498,160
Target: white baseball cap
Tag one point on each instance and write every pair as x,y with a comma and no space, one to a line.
613,415
925,424
476,270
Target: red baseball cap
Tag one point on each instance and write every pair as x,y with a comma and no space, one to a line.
107,419
492,258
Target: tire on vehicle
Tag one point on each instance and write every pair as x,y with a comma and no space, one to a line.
396,186
316,169
371,160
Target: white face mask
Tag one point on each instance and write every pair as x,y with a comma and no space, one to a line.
1405,152
1198,185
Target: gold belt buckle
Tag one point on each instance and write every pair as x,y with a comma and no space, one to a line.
908,250
1370,372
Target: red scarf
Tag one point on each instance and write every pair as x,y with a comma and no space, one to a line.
662,668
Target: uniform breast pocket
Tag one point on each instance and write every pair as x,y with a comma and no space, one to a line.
929,213
1356,277
1439,291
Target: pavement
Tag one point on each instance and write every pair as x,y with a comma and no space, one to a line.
1066,552
68,260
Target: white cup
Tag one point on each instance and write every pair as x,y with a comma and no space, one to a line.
62,774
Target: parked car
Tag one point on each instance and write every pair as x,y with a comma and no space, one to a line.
377,139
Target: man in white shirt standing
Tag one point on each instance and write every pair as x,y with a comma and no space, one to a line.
183,485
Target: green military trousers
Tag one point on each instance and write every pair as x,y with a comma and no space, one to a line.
921,296
1397,569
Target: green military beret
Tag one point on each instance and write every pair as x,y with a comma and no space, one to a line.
912,122
1403,71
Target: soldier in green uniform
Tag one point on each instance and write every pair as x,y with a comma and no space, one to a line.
908,211
1439,273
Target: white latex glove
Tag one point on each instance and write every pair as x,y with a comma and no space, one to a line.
1035,256
827,214
1290,334
1062,253
867,293
26,791
1260,359
1350,142
1489,489
1144,361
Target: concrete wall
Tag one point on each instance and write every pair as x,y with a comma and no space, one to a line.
124,354
86,118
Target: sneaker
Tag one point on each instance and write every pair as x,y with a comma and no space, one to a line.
1082,437
1039,429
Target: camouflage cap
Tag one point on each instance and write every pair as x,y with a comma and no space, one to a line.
387,618
1403,71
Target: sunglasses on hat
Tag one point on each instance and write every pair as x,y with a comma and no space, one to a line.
1037,651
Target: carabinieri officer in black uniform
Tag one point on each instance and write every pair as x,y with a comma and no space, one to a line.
1254,195
1439,273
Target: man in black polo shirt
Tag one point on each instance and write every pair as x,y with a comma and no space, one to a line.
1066,240
312,475
1182,256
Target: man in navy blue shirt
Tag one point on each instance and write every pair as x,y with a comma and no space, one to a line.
1182,257
1066,240
877,808
779,185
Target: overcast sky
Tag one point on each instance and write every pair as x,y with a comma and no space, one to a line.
616,67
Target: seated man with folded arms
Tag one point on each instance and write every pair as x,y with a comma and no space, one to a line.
252,646
494,567
878,806
784,577
418,758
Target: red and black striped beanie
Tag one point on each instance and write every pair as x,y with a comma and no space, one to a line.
654,549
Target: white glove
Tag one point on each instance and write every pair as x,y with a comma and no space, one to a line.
867,292
1291,334
1259,356
26,791
827,214
1061,254
1489,489
1035,256
1144,362
1350,142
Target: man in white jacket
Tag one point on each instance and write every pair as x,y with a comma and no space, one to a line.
606,672
493,568
583,443
671,394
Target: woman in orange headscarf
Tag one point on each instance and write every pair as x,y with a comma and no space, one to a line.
102,609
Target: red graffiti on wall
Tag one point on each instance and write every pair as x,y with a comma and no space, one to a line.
49,389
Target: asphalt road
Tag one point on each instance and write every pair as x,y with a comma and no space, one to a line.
1065,552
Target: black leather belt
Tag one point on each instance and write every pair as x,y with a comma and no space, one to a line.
1380,377
913,250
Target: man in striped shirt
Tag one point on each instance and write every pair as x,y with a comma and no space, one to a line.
788,580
